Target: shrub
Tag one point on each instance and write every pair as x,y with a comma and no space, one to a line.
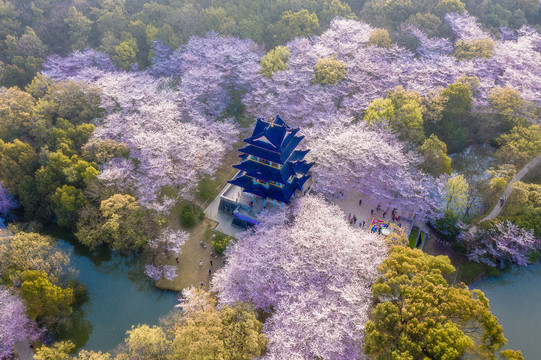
476,48
329,71
275,60
187,217
220,242
380,37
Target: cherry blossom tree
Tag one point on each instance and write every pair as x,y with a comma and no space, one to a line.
14,324
170,144
170,240
503,244
168,272
371,71
7,202
62,68
314,271
353,157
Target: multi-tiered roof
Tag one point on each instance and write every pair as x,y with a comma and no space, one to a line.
270,166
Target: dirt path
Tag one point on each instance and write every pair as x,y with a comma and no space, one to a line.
509,188
190,273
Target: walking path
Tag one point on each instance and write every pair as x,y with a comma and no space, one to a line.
509,188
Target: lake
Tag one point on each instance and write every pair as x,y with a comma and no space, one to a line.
514,298
120,296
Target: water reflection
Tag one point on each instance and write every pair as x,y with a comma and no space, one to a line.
514,299
120,295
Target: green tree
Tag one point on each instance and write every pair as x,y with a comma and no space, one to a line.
42,298
435,158
204,332
31,251
125,54
15,113
378,110
79,28
217,19
67,200
468,49
92,355
100,151
59,351
402,110
520,145
187,217
292,25
512,109
29,44
448,225
329,71
523,207
252,28
119,222
61,169
427,22
274,60
147,343
17,159
456,194
380,37
74,101
448,115
335,8
220,242
511,355
398,10
66,133
458,98
450,6
9,20
418,315
39,86
21,71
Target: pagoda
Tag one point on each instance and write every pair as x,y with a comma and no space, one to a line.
270,170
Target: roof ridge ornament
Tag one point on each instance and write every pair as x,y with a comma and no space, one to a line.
271,122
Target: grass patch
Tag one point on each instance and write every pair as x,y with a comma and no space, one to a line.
470,271
413,237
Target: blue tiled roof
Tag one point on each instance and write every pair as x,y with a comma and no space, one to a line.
273,138
298,155
302,167
277,144
262,153
280,194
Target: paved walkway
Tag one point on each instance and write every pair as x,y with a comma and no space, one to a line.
509,188
350,205
22,348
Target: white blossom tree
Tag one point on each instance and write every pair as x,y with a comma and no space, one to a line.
314,271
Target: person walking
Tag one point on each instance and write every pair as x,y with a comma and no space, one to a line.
200,262
354,219
360,202
371,212
349,218
177,260
202,284
363,223
210,272
384,213
210,262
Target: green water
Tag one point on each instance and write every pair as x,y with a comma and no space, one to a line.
514,298
120,296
